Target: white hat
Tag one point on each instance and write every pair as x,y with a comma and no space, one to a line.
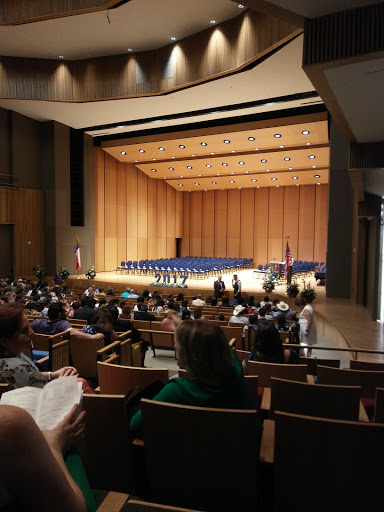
239,309
282,306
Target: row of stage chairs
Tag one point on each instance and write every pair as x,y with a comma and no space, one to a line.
299,268
193,267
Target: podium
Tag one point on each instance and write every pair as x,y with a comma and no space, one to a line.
278,265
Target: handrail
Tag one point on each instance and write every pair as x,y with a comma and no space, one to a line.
350,349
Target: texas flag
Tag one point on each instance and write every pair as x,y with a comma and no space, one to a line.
77,253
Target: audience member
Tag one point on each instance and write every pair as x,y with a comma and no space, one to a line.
143,314
198,301
238,315
56,322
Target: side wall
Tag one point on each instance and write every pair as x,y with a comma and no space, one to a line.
136,217
253,223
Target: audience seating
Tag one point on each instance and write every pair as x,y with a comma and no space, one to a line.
84,356
313,362
366,365
234,332
340,463
58,354
368,380
379,406
116,379
338,402
296,372
206,478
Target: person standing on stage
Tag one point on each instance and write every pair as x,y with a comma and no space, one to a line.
219,287
236,283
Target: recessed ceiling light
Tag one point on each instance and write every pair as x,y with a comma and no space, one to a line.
129,49
274,179
307,143
281,146
154,158
277,186
305,132
189,166
258,186
193,155
203,143
287,159
241,162
141,150
123,152
232,172
212,153
212,21
161,148
241,6
173,157
222,189
290,168
251,138
256,149
136,160
318,183
311,157
181,176
173,38
181,146
239,188
233,150
295,177
208,165
189,190
61,56
197,183
171,168
153,170
226,141
180,185
254,180
205,190
214,182
267,170
314,166
224,164
297,184
231,181
277,135
263,161
165,177
317,176
246,172
218,174
199,175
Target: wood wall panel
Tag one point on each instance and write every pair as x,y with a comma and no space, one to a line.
185,245
208,224
196,223
221,207
152,216
161,218
217,50
247,221
291,219
131,212
276,221
321,223
260,245
98,176
110,213
142,216
121,195
233,224
171,221
4,206
306,222
179,214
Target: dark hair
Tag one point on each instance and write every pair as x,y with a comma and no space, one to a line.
186,314
266,298
257,304
145,294
203,350
102,322
184,304
180,297
253,319
281,320
268,344
114,313
160,302
225,301
221,317
102,301
262,311
213,301
197,313
55,309
11,316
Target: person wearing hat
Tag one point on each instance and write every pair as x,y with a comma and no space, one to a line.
238,315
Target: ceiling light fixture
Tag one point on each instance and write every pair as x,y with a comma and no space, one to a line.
203,143
317,176
123,152
193,155
212,21
197,183
199,175
295,177
153,170
212,153
61,56
254,180
154,158
290,168
231,181
263,161
180,185
161,148
311,157
256,149
141,150
181,146
224,164
277,135
305,132
214,182
208,165
226,141
173,38
239,188
314,166
287,159
281,146
241,6
251,138
171,168
274,179
307,143
173,157
129,50
189,166
241,162
218,174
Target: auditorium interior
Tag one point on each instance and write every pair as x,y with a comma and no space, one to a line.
203,128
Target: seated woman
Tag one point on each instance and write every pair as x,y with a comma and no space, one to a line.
198,314
281,324
102,322
225,303
216,374
37,477
268,347
171,321
15,367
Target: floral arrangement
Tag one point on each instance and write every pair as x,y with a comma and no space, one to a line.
292,290
308,293
271,279
40,272
167,285
90,273
63,273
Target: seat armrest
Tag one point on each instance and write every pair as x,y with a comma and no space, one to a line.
113,502
267,447
310,379
266,400
363,416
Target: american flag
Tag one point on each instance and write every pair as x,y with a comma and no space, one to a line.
77,253
288,258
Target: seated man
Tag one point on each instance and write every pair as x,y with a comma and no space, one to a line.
198,301
126,293
87,309
55,323
143,314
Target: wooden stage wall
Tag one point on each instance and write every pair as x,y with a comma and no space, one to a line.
253,223
137,217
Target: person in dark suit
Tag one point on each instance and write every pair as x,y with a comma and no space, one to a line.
219,287
143,314
87,310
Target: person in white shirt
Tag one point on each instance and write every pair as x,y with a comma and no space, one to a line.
198,301
239,315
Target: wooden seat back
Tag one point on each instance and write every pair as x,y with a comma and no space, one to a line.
141,324
219,323
368,380
84,356
106,464
77,321
162,339
252,382
345,455
208,457
338,402
234,332
370,366
379,408
296,372
313,362
116,379
242,354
